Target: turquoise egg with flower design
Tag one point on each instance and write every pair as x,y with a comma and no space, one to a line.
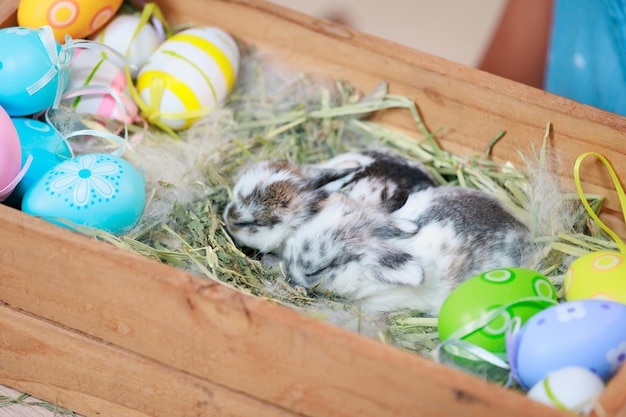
102,191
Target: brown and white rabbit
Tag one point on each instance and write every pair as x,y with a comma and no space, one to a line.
272,199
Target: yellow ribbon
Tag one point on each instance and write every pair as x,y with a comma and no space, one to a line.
618,188
149,11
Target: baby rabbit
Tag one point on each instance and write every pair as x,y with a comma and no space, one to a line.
272,199
412,258
383,179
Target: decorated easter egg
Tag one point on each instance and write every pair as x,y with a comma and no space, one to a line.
572,388
77,18
46,147
10,155
599,275
187,76
118,35
97,190
29,77
586,333
482,309
96,84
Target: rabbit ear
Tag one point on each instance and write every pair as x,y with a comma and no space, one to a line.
398,268
329,178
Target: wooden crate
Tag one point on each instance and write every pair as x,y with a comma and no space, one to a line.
108,333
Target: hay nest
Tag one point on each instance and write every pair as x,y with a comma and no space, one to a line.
274,113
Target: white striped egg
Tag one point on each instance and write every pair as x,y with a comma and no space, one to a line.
189,75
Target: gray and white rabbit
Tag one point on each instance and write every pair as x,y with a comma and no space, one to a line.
412,258
384,259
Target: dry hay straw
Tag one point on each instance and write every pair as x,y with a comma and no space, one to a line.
274,113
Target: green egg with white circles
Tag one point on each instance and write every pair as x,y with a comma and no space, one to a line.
515,294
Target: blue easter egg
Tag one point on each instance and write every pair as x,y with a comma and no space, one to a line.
24,62
97,190
588,333
45,145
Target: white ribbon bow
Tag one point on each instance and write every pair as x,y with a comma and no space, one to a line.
61,59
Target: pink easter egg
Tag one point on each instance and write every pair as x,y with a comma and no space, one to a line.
10,155
93,80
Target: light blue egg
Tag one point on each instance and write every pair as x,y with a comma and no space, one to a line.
588,333
23,62
44,145
97,190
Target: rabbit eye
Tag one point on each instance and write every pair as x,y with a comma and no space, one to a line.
319,272
307,265
262,222
240,224
246,224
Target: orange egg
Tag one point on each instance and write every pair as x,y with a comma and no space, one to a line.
77,18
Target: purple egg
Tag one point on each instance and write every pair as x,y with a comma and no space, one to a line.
587,333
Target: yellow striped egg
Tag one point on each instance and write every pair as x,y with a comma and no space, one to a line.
188,76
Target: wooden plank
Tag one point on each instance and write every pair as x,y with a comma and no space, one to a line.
613,401
215,333
96,379
471,106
